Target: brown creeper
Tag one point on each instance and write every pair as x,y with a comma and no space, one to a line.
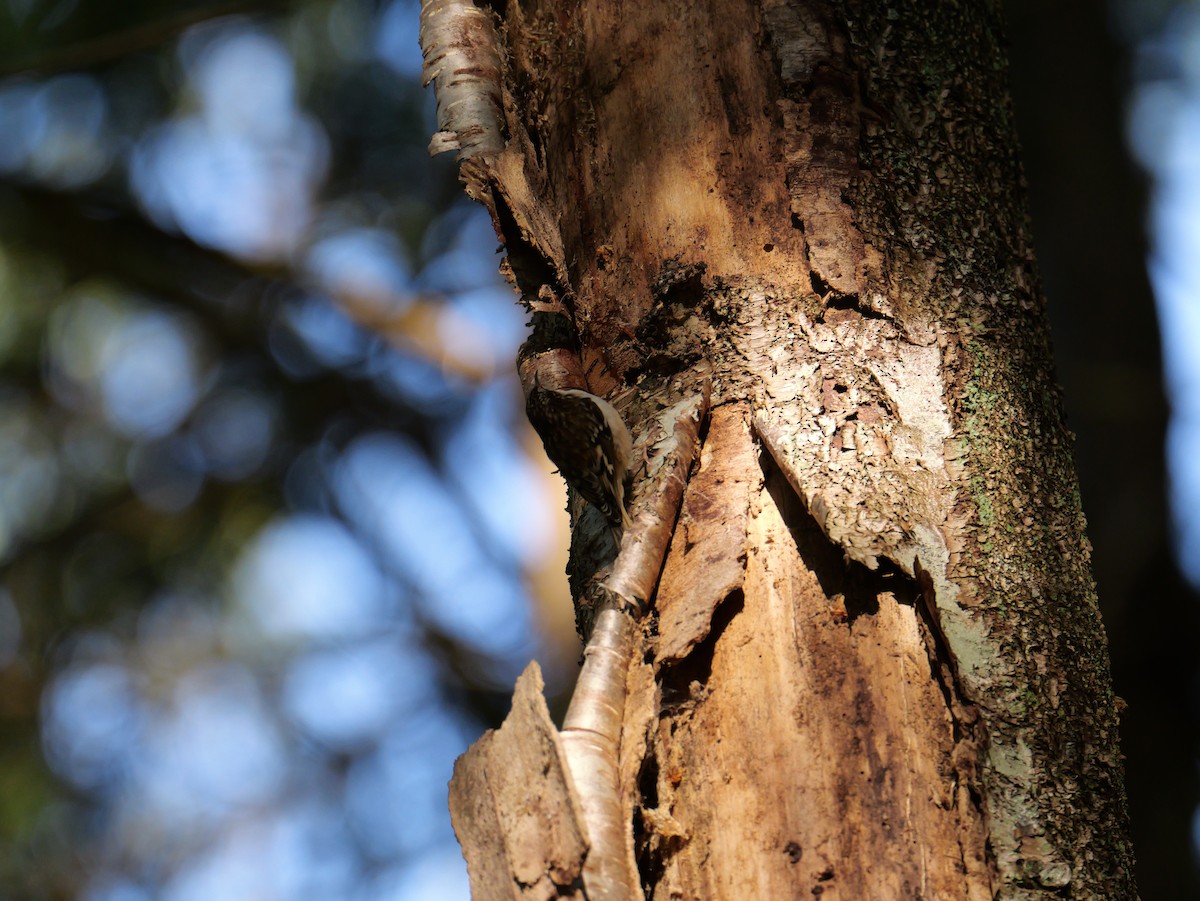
587,440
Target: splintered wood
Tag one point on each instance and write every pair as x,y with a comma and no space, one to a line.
519,844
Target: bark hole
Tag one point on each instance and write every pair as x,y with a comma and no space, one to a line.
530,268
649,854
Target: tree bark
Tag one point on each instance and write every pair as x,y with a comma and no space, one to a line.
873,665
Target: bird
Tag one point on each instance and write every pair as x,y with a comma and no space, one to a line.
586,438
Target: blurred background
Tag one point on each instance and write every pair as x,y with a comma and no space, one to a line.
275,539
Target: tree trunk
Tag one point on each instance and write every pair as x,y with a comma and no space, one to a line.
872,666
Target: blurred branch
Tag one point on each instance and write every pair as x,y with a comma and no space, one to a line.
118,44
94,236
419,325
235,303
100,235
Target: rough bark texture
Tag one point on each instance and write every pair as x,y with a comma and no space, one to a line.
876,667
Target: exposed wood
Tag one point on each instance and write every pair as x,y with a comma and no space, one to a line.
818,685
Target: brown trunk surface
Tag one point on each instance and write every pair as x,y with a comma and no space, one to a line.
873,667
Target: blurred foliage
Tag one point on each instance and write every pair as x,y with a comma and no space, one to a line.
268,525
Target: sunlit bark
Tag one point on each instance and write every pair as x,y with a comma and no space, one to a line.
873,665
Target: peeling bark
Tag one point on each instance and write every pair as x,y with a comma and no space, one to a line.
873,664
